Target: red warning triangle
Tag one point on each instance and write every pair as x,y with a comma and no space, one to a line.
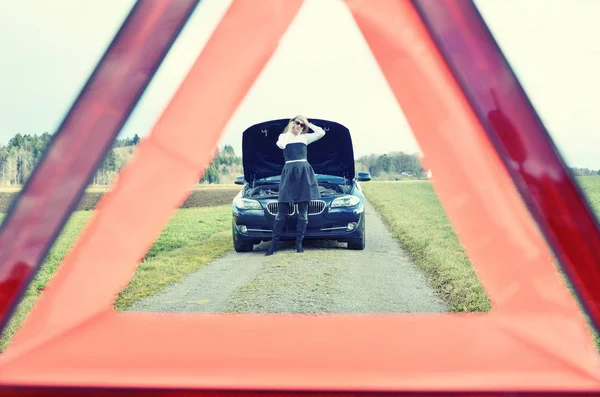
534,339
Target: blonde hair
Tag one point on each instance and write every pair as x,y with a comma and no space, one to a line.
301,118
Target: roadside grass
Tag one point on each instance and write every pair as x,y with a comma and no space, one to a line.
590,185
192,238
418,221
190,226
166,268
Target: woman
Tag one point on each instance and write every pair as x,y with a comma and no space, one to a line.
298,182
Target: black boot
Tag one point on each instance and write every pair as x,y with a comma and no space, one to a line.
300,231
277,228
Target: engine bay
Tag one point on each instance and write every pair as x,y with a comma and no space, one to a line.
327,189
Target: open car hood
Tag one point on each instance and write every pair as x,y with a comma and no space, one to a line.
331,155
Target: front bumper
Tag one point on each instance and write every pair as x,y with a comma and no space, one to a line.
340,224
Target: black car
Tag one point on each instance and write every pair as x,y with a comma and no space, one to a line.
338,215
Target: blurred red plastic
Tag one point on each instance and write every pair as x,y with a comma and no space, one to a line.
52,192
535,339
542,177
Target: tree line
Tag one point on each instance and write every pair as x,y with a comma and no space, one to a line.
21,154
584,171
391,166
225,164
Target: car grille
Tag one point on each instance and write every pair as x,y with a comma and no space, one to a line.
273,207
315,207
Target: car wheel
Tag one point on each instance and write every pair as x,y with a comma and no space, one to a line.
359,243
241,246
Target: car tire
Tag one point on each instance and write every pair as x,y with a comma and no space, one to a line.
359,243
241,246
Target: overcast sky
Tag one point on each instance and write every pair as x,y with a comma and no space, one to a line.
49,49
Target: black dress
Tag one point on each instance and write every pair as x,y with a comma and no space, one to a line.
298,181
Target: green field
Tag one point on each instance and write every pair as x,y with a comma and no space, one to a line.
197,235
591,189
192,238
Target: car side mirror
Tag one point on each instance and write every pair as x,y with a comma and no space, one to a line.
239,180
363,177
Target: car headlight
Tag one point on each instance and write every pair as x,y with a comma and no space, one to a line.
345,201
247,204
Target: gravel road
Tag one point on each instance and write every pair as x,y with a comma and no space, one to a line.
326,278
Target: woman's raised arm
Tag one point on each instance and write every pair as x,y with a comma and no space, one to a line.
316,135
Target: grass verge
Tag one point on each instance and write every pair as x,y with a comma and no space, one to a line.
418,221
165,269
192,238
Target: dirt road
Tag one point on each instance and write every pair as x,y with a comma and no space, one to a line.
326,278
